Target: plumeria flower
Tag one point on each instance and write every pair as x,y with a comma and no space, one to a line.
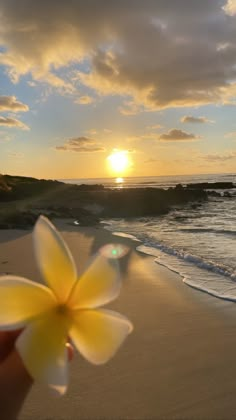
67,306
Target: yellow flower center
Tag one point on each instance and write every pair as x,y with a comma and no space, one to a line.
64,315
63,309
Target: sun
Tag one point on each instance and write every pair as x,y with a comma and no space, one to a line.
119,161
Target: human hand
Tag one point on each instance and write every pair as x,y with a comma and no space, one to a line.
15,382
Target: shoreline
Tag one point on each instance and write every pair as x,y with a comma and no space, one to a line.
107,236
178,362
193,270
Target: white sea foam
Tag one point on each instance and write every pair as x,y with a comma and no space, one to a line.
195,272
126,235
197,276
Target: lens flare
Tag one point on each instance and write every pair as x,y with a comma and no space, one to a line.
114,251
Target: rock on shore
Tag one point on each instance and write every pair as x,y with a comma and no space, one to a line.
22,199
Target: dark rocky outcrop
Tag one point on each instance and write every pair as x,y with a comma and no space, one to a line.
82,216
23,199
212,193
227,194
138,202
18,188
212,185
18,220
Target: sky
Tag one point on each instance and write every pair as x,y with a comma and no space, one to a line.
80,80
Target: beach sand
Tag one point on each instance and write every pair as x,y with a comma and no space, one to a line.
179,363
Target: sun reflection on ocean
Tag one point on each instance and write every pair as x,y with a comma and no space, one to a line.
119,180
119,183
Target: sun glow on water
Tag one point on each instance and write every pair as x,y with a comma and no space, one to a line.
119,180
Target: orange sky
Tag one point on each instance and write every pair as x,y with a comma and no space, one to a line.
155,81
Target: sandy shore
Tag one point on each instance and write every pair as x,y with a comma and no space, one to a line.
179,363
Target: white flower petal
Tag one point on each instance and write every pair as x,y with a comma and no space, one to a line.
98,285
42,349
22,300
98,334
54,259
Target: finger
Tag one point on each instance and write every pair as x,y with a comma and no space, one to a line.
7,341
15,383
70,351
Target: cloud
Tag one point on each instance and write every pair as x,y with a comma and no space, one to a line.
80,145
131,139
154,127
84,100
215,158
154,55
142,138
178,135
12,122
5,137
16,155
195,120
149,136
31,83
230,7
130,108
230,135
92,132
10,103
151,160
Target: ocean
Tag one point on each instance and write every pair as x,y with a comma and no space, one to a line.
197,242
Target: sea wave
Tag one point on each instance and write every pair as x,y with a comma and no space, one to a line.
208,230
200,275
193,259
206,276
